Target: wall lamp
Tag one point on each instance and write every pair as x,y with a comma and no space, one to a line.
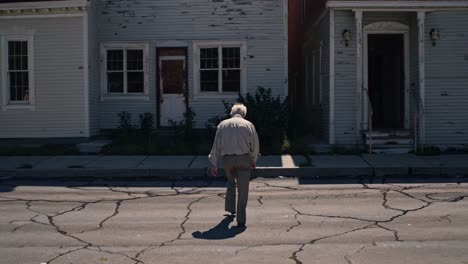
346,36
435,35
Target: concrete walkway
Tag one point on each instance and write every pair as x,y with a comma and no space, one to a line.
187,167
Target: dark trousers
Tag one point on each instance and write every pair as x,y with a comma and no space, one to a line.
237,169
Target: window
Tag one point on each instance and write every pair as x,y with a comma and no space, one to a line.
18,73
219,68
125,70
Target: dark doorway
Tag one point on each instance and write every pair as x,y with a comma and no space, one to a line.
386,71
171,84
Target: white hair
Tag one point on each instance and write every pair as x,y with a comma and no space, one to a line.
239,109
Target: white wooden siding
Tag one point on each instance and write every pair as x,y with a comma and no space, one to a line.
447,79
59,101
259,23
345,79
94,66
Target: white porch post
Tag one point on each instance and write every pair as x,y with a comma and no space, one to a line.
422,77
361,98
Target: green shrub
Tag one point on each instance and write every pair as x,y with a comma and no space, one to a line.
186,125
146,123
269,114
125,128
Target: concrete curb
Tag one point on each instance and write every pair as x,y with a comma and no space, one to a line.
262,172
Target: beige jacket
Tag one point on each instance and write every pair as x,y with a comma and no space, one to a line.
235,136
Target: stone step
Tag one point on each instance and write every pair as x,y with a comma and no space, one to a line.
400,150
398,133
390,141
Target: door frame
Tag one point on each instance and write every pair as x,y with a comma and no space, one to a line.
158,80
388,28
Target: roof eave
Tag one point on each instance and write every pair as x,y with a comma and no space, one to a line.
43,4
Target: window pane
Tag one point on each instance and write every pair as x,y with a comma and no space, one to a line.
231,58
115,60
135,82
24,48
231,80
19,86
209,58
134,60
24,63
11,63
115,82
209,81
17,55
11,48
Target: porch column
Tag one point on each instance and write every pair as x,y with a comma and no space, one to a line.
361,98
422,77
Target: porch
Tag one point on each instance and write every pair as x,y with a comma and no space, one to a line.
379,79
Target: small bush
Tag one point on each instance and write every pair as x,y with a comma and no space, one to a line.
185,126
146,123
125,120
269,114
125,124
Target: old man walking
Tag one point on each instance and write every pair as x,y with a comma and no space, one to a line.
236,143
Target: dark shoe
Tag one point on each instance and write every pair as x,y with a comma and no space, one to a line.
240,224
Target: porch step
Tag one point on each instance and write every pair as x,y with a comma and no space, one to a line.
387,134
397,150
392,141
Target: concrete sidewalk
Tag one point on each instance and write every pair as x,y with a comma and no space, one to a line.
196,167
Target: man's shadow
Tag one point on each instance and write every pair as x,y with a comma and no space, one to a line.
221,230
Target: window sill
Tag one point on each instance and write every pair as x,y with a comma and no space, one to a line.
18,107
216,96
107,97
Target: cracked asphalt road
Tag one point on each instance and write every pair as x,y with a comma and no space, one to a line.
288,221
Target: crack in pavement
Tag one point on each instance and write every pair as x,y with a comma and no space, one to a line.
376,223
445,217
294,254
279,186
259,200
347,257
297,220
101,224
82,205
179,236
449,200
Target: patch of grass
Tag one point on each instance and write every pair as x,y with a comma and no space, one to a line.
46,150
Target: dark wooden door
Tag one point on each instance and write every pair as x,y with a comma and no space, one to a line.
386,71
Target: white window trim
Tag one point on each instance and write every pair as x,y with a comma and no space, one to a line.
196,68
6,104
124,96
